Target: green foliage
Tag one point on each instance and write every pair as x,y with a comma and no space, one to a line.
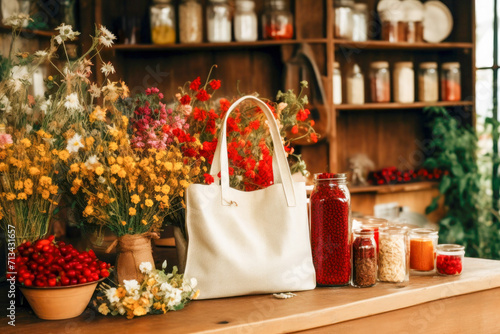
453,148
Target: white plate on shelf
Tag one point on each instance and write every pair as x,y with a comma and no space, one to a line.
438,21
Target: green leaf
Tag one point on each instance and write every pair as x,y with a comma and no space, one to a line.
433,206
457,169
445,184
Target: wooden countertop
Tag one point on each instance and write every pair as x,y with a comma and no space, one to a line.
427,304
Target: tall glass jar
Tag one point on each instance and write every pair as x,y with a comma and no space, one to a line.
364,259
162,17
374,224
451,89
190,21
337,84
330,209
428,82
218,21
360,22
393,21
394,256
380,81
277,20
404,82
450,259
245,21
356,86
423,242
344,19
414,18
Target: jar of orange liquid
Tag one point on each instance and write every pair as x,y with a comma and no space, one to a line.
423,243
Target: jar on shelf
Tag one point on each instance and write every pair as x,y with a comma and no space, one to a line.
344,10
414,17
380,81
428,82
218,21
360,22
337,84
404,82
162,17
423,242
277,20
393,256
190,21
356,86
451,89
330,211
449,260
392,16
374,224
364,259
245,21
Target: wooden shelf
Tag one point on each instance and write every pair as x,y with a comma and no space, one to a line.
394,188
229,45
395,105
384,45
24,32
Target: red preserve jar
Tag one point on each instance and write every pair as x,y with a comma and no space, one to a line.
331,229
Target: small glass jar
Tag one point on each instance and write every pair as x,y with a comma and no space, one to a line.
450,259
330,214
394,256
337,84
393,22
380,81
423,242
356,86
428,82
374,224
364,259
277,20
404,82
344,10
360,22
414,18
162,16
190,21
245,21
218,21
451,89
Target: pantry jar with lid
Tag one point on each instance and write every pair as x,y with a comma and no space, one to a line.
218,21
394,256
380,81
277,20
404,82
245,21
360,22
374,224
190,21
344,10
330,214
162,17
356,86
393,20
428,82
414,17
337,84
423,243
364,259
451,89
450,259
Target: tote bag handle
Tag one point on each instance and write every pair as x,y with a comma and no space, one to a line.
220,161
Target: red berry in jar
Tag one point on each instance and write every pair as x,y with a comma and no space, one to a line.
449,259
331,229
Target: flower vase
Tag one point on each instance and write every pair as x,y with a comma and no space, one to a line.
181,247
133,249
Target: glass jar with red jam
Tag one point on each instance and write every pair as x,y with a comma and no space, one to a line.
449,260
330,208
364,258
277,20
374,224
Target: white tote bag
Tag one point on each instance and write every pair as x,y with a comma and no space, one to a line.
256,242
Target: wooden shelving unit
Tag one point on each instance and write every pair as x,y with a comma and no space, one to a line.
38,33
390,134
392,188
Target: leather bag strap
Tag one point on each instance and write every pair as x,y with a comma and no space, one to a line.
281,169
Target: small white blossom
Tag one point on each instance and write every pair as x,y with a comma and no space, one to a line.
5,105
17,20
166,287
74,143
40,54
101,180
107,68
65,32
29,127
106,38
281,106
174,298
72,102
91,162
132,286
94,91
111,295
145,267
